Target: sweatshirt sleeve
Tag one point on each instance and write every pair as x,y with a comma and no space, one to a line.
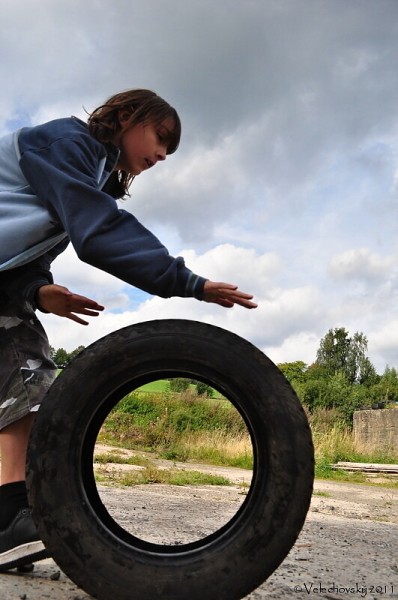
21,284
62,174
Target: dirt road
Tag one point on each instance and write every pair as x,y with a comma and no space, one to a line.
348,548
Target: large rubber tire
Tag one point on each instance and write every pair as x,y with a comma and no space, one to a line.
89,546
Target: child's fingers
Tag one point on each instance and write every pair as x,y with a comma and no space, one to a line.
77,319
78,302
83,309
227,295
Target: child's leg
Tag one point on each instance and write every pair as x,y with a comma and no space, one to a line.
26,372
26,369
13,445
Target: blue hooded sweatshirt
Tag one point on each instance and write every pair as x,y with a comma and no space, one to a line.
56,187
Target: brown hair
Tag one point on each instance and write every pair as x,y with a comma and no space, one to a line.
140,106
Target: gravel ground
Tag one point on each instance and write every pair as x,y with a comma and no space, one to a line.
348,547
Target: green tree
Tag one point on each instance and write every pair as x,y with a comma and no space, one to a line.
294,371
333,351
338,390
367,375
359,369
204,390
386,388
179,384
340,352
61,357
312,392
75,352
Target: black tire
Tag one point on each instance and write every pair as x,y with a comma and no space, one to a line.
89,546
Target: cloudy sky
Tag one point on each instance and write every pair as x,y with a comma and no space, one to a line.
286,180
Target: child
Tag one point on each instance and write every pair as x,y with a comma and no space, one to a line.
58,183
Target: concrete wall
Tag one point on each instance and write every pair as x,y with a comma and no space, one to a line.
376,428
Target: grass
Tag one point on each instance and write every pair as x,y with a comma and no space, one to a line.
151,474
325,471
160,385
334,442
180,426
183,426
117,458
163,386
322,494
214,448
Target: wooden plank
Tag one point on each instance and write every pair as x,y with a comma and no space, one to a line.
366,467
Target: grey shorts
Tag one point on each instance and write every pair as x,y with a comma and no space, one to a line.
26,369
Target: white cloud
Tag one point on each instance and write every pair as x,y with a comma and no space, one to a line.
301,346
285,182
244,267
361,264
281,312
252,272
84,279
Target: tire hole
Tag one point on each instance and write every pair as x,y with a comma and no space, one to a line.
173,461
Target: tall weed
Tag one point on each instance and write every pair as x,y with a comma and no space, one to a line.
185,426
334,441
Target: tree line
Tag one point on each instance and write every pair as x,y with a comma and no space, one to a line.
61,357
342,377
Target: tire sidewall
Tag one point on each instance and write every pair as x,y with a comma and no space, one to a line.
247,551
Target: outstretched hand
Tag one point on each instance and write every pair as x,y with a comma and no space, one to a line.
226,294
60,301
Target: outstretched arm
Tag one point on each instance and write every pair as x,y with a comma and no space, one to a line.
226,294
60,301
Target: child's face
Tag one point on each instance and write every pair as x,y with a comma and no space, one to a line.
142,146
